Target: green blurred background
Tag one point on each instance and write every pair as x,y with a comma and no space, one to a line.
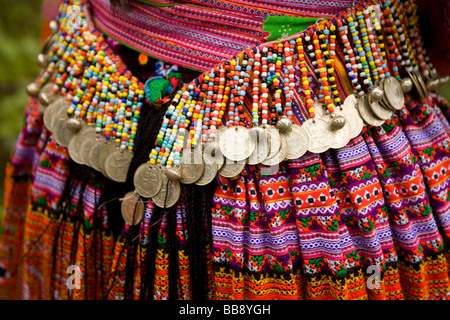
20,33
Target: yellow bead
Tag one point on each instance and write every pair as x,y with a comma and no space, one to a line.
311,110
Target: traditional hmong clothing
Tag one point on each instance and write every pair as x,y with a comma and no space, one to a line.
370,220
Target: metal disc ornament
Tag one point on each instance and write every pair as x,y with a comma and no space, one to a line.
351,114
318,133
231,168
280,155
379,111
209,173
86,145
104,153
94,153
73,150
367,114
297,142
192,166
262,145
393,93
117,165
132,208
274,140
169,193
212,154
147,180
50,112
340,137
236,144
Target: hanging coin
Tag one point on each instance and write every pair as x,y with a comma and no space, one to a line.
79,137
262,148
173,173
94,153
422,84
52,109
351,114
209,173
366,112
148,180
46,96
318,133
231,168
105,151
60,115
274,140
75,124
419,90
297,142
42,60
380,111
393,93
117,165
66,133
376,93
86,144
33,89
407,84
341,136
283,124
73,150
220,130
169,193
235,143
211,151
192,166
280,155
58,125
132,208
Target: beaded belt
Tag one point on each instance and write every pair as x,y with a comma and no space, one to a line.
308,92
